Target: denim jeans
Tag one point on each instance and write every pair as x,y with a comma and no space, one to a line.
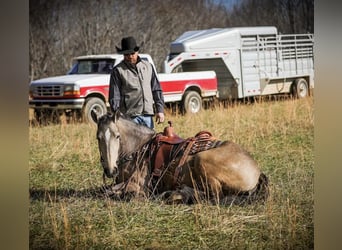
146,120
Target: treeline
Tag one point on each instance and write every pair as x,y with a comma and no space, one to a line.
62,29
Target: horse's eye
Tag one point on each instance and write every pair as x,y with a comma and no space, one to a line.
117,136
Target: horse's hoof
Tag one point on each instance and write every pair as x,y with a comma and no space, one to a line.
165,195
175,198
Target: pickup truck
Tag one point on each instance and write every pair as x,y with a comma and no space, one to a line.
85,88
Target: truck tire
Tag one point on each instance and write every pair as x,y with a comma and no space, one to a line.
300,88
96,104
192,102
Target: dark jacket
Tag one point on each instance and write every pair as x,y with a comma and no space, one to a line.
135,88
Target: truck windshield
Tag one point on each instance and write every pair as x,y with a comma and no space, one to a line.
92,66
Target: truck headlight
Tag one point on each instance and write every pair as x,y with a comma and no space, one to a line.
72,89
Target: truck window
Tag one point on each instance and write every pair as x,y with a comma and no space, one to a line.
178,69
93,66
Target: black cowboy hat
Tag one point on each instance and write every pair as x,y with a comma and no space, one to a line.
128,46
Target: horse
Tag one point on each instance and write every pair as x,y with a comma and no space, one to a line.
144,163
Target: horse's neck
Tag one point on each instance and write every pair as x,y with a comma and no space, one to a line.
134,136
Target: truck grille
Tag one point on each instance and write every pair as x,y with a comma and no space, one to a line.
47,91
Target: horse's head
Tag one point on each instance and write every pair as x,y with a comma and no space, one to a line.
108,138
117,137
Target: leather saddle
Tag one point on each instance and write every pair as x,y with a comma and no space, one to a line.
168,136
168,145
164,144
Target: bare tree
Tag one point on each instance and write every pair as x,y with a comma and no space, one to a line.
60,30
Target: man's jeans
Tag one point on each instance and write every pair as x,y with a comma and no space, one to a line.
146,120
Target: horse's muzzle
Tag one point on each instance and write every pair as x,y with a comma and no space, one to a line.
111,173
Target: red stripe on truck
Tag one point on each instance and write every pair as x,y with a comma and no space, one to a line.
182,85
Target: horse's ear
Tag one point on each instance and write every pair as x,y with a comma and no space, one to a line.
116,115
94,115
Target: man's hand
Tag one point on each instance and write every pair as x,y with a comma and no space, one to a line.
160,118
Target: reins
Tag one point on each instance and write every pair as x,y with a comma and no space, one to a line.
138,158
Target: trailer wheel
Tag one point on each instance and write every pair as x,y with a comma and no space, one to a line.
96,104
192,102
300,88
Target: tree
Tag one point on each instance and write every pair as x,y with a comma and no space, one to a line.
60,30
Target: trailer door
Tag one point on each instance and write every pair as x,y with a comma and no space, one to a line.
258,63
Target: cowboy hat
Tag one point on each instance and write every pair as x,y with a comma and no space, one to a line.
128,46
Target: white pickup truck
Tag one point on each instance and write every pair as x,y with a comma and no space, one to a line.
85,87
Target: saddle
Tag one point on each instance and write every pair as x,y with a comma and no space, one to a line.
169,137
163,145
168,145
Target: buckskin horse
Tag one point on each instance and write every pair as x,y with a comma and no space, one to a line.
142,162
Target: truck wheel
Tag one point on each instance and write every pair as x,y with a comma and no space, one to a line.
300,88
192,102
96,104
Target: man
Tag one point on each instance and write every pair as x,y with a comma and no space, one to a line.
134,87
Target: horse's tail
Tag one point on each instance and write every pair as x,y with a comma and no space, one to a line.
261,192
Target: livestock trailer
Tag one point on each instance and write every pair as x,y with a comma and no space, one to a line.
248,61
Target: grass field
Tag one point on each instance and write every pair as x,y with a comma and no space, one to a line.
67,211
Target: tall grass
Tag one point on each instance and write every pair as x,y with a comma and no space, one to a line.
67,210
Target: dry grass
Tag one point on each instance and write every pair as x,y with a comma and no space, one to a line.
68,212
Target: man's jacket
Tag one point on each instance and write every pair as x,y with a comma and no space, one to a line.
135,88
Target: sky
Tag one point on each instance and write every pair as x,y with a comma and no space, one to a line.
227,3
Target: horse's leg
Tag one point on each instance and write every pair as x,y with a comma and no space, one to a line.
130,182
183,195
